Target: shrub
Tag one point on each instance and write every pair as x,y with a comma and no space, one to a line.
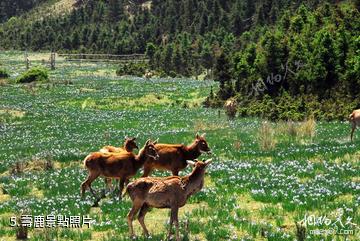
4,74
307,128
297,131
34,74
266,136
135,69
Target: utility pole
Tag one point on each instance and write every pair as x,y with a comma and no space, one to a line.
52,60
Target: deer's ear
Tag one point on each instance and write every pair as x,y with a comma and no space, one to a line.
197,136
156,141
147,142
191,163
203,135
207,162
134,138
126,137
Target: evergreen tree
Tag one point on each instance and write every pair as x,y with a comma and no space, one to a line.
75,39
223,75
150,52
178,60
114,11
167,58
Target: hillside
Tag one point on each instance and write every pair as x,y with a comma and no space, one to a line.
242,41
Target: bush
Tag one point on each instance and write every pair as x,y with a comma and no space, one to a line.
135,69
4,74
297,131
34,74
266,137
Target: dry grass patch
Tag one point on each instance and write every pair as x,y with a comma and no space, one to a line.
345,198
33,165
35,192
100,235
4,197
3,81
87,90
355,179
348,158
12,113
208,182
266,136
316,159
304,180
299,131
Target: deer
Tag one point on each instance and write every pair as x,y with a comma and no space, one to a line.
164,192
354,119
129,146
123,165
172,157
231,108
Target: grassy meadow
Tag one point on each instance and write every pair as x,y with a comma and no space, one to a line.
264,178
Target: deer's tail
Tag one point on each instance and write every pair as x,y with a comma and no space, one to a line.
351,116
86,160
128,190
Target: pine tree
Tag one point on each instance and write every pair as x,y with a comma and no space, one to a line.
178,60
150,52
167,58
114,11
75,39
222,71
207,58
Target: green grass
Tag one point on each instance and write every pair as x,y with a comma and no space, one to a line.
250,192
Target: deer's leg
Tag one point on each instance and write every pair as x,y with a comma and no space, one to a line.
108,183
171,223
130,217
352,131
147,170
115,187
144,209
176,221
87,183
121,186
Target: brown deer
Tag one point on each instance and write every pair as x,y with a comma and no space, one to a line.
167,192
173,157
354,119
231,108
129,146
122,165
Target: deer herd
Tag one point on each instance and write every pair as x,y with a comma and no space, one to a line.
171,192
121,163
